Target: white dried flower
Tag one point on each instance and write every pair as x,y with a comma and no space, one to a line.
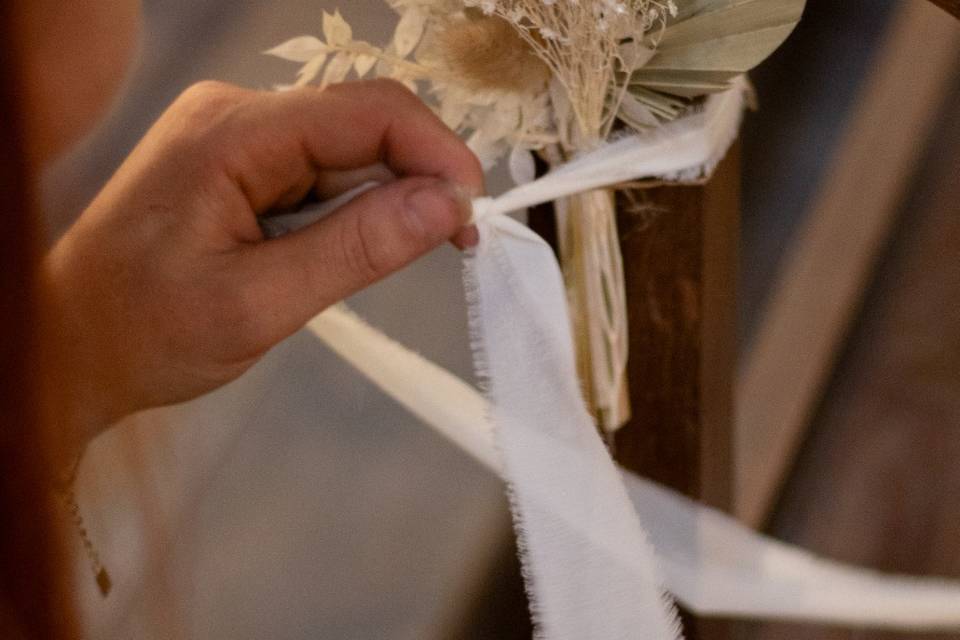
510,74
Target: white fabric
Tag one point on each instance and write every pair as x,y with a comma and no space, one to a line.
589,569
710,562
686,149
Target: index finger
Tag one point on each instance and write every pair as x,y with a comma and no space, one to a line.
381,120
347,126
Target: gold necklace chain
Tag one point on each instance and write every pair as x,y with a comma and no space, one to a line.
69,494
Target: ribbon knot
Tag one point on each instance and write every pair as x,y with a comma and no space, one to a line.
482,209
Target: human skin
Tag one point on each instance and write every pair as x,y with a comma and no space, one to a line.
165,288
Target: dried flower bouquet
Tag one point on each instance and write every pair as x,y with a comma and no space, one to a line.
558,77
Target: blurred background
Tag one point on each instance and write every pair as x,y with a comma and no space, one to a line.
331,513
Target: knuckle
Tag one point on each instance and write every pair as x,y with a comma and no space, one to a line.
392,87
208,100
202,124
385,90
360,256
208,89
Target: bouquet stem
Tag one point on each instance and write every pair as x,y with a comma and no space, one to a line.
589,249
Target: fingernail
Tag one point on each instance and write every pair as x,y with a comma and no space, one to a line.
439,207
467,195
470,194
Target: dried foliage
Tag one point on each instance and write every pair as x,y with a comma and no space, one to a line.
526,74
511,75
557,76
487,54
592,48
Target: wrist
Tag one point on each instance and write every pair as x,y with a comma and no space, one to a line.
80,391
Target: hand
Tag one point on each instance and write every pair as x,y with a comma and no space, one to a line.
165,289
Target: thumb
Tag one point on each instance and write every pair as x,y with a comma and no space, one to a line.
298,275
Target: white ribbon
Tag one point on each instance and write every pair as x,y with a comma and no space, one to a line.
710,562
590,570
686,149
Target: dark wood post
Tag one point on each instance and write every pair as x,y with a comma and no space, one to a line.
950,6
680,259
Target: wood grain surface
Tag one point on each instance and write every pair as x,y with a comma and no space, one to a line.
680,256
822,280
680,261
